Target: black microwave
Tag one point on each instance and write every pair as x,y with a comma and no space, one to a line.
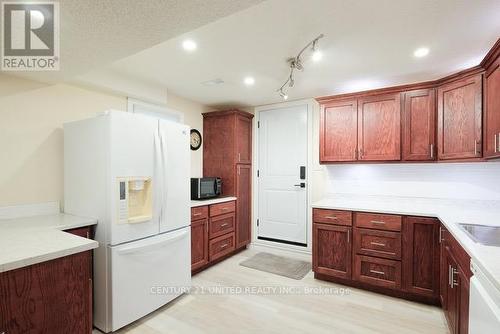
205,187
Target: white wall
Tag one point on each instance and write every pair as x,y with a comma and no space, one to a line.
479,180
31,135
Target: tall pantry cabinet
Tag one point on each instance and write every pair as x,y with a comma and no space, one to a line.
227,153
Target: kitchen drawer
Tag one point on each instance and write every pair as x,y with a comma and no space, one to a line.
384,244
221,246
378,221
336,217
380,272
220,225
199,212
222,208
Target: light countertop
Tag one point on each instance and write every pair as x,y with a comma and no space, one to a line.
212,201
449,212
30,240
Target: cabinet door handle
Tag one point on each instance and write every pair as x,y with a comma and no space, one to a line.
224,246
496,142
377,272
432,150
377,222
224,225
239,157
453,281
449,276
440,234
331,217
377,244
348,236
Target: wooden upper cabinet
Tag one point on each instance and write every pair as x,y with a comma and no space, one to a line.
492,111
459,119
419,125
243,139
379,127
339,131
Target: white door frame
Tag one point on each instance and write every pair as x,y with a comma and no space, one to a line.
311,105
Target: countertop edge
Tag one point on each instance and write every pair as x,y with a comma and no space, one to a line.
198,203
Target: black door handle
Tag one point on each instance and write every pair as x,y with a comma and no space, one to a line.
302,185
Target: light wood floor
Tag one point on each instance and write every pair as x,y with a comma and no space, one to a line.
359,312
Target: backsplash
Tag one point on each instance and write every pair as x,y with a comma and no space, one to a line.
440,180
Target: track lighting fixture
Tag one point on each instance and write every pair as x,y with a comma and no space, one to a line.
296,63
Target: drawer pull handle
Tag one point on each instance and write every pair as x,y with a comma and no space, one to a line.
377,272
378,222
224,246
197,214
224,225
225,209
331,217
377,244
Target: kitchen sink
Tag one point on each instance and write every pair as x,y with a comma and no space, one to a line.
482,234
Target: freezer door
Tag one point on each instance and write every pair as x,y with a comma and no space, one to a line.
147,274
176,185
134,152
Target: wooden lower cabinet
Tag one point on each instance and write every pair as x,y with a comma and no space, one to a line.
332,250
214,236
199,243
48,297
421,256
455,281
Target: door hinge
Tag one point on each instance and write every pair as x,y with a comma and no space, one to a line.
257,222
258,124
258,173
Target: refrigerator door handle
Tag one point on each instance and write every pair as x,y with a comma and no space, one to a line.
164,187
159,172
150,246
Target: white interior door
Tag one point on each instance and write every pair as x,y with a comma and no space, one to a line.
282,152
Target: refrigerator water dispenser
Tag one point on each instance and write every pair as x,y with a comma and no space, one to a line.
135,202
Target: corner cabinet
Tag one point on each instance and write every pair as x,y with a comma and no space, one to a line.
460,119
492,108
227,153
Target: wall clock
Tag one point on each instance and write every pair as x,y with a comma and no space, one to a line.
195,139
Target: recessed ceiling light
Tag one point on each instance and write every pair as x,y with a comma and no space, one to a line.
249,81
189,45
421,52
317,56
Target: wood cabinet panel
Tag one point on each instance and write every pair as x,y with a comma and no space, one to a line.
49,297
199,243
84,232
221,225
459,119
336,217
419,125
221,246
492,111
383,244
378,221
244,205
199,212
421,256
222,208
339,131
332,250
379,127
243,140
378,272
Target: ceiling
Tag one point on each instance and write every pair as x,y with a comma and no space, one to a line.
94,33
368,44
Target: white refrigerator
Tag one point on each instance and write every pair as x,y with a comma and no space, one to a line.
131,172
